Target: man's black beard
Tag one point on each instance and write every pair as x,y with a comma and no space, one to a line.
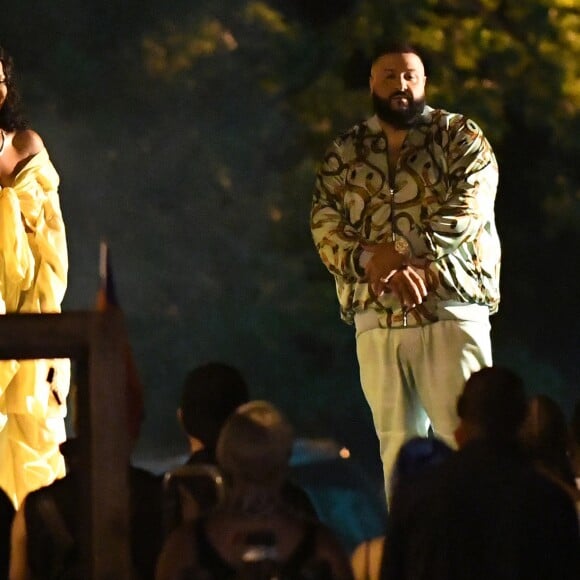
399,119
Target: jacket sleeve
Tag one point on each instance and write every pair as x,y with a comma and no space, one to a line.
472,175
333,225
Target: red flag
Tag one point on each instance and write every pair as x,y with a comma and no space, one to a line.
107,299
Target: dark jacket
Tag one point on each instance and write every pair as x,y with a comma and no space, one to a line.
53,526
485,513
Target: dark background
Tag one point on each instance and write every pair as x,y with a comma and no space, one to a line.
187,135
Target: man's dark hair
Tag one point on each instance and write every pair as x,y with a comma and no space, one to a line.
494,399
11,117
210,394
400,47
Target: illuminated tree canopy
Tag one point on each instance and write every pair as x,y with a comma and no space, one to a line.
188,135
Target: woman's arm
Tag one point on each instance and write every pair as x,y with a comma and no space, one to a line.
18,553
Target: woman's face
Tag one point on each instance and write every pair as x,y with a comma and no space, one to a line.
3,87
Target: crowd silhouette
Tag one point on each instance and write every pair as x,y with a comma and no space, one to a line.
487,511
504,506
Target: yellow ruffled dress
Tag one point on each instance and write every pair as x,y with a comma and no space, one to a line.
33,278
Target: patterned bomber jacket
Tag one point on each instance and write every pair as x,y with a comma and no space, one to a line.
441,200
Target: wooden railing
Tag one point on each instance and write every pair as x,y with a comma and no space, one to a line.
95,343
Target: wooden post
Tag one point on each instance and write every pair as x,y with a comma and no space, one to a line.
95,342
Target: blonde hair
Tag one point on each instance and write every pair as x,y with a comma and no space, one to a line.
255,444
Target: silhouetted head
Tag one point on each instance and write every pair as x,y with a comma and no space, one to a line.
210,394
255,444
415,457
575,424
574,430
545,436
545,429
493,403
11,118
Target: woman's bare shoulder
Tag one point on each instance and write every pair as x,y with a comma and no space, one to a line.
27,143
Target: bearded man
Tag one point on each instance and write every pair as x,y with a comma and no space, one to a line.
403,218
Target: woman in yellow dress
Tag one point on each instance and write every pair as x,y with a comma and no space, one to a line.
33,277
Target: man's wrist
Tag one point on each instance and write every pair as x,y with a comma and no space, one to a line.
364,258
402,247
360,258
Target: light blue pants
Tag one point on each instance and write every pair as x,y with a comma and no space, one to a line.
413,376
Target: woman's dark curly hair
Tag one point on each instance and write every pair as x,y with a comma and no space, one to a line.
11,117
